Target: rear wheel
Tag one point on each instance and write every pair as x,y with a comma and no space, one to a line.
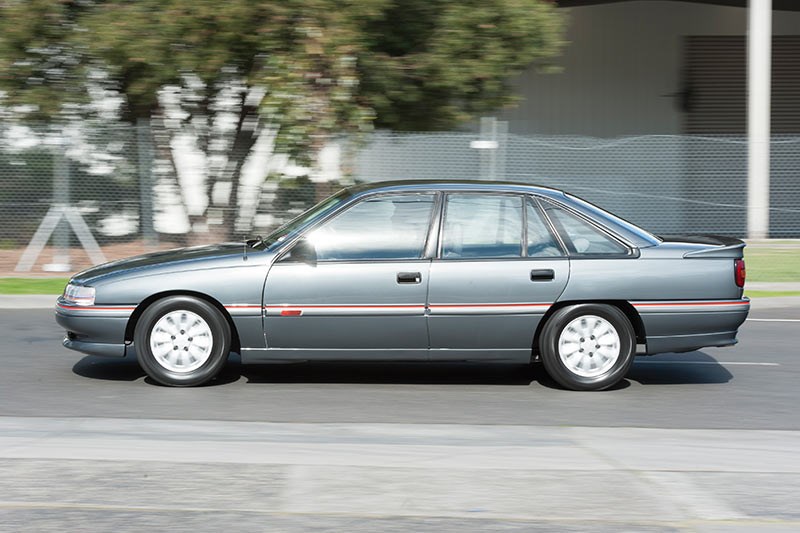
182,341
587,346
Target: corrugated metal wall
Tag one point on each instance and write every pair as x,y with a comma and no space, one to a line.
623,72
715,91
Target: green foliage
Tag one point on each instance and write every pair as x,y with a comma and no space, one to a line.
312,75
328,66
431,64
148,44
39,63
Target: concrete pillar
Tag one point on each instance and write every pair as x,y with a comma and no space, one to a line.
759,70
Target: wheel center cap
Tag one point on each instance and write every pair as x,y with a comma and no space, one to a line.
587,346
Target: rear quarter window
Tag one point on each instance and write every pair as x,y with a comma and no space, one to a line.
581,236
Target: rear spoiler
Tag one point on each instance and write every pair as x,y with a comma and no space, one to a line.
715,245
717,251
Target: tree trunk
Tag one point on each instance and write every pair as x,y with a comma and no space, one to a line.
243,142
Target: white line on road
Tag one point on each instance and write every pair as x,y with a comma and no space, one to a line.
742,363
773,319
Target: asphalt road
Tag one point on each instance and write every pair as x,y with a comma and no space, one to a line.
686,443
750,386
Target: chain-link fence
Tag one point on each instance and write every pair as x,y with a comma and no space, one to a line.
667,184
70,198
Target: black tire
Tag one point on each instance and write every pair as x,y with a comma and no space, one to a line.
568,375
212,360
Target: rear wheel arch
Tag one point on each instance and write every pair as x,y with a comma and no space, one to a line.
623,305
147,302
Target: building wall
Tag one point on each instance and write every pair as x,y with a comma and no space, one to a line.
622,69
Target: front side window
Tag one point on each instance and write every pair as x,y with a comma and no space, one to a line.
580,236
381,228
482,226
303,220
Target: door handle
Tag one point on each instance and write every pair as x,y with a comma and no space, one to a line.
544,274
409,277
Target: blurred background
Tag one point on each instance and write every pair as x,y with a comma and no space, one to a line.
133,126
128,126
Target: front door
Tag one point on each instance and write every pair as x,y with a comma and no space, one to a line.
363,295
498,270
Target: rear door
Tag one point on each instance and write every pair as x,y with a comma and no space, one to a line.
498,269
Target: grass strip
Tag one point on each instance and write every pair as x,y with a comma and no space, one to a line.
32,285
770,294
772,264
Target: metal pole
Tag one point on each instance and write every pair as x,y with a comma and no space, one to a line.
145,164
487,144
759,55
493,152
501,136
62,169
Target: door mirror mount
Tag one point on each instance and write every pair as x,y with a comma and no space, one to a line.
302,252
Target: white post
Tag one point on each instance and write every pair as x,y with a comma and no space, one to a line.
759,71
487,144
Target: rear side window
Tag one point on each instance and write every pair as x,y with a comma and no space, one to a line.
482,226
580,236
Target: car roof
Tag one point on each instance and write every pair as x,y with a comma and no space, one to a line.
449,185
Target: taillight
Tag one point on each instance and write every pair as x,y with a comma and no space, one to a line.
739,272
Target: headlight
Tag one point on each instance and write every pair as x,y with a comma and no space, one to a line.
79,295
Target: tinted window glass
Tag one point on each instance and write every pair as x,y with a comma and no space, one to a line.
478,225
602,213
541,242
304,219
582,237
387,227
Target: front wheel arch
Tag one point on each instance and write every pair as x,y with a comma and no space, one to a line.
147,302
623,305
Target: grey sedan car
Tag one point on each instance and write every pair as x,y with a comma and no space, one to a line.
419,271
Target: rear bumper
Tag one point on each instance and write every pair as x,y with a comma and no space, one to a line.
94,330
688,343
683,326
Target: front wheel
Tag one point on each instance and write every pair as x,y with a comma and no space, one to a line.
182,341
587,346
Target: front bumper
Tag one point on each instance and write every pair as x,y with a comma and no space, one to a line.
95,330
95,348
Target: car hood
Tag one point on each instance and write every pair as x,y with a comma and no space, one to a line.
180,258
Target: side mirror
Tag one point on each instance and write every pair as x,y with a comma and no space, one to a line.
302,252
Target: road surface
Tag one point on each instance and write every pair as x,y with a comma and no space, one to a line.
700,441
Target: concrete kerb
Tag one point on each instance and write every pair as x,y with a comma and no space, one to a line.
772,286
28,301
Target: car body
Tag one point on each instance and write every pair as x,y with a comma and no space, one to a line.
419,271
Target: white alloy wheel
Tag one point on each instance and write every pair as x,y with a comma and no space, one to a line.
589,346
181,341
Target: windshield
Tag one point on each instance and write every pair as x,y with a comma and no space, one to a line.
301,221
